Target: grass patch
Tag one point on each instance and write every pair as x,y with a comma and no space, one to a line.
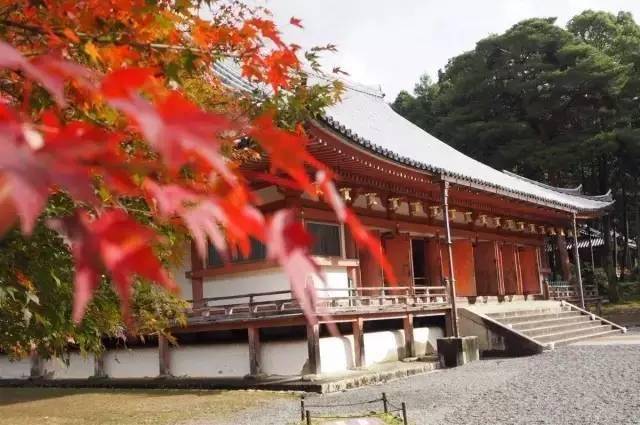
62,406
386,418
621,307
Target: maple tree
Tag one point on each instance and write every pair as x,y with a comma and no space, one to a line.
102,102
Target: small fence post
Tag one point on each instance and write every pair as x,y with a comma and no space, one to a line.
385,405
308,417
302,408
404,413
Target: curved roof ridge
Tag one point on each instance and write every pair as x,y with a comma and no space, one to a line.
577,191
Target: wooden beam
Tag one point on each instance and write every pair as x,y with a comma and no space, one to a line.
313,347
255,367
409,344
164,356
358,342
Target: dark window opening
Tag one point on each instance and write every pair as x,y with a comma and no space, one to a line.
326,239
257,252
419,266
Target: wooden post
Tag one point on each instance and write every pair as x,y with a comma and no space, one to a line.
576,254
409,345
452,279
98,366
255,368
197,284
313,347
385,403
164,356
358,342
405,421
36,370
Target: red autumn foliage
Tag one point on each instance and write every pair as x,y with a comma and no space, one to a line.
78,148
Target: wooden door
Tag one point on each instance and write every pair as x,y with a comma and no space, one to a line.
370,271
530,270
511,269
398,251
464,268
432,262
487,268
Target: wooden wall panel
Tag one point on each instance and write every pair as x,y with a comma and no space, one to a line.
398,251
510,269
370,270
530,270
464,268
487,268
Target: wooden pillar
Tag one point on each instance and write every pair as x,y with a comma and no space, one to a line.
409,345
452,279
576,255
313,347
98,366
255,367
164,356
358,342
197,290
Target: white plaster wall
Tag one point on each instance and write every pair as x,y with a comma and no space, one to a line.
336,354
425,339
20,369
133,363
79,367
211,360
385,346
334,278
272,280
284,357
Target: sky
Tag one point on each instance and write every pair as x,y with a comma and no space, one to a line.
391,43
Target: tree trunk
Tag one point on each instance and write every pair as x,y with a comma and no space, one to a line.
606,235
565,263
625,223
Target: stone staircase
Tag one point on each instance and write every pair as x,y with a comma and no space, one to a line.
555,325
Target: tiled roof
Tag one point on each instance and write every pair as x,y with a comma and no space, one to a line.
363,117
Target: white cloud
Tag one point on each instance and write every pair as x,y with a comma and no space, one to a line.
391,43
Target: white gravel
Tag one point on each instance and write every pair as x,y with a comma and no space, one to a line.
571,385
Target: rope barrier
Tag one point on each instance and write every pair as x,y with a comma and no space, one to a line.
344,404
388,408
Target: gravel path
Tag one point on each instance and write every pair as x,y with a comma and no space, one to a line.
571,385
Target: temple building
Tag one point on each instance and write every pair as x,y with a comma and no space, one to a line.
466,242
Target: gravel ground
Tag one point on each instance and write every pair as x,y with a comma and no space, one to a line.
571,385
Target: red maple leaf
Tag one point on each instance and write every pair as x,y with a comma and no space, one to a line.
113,242
296,22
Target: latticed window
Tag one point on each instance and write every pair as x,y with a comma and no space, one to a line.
258,252
326,239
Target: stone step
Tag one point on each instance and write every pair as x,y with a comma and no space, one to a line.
567,341
537,317
529,312
566,335
535,333
550,322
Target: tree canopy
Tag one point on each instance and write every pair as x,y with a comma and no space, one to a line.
555,104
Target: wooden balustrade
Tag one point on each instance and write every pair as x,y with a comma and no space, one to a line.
328,301
562,290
